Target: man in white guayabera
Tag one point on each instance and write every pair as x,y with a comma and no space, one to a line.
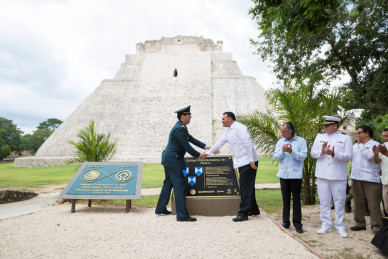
245,159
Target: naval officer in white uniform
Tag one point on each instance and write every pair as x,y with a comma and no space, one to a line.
332,150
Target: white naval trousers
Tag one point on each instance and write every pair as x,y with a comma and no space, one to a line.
337,190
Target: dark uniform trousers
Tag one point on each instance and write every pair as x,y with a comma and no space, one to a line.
247,179
294,187
173,177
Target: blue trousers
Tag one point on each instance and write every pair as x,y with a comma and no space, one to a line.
173,179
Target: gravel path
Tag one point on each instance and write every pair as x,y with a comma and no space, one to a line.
108,232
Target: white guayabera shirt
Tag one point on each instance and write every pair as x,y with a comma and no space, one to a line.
384,167
364,167
239,139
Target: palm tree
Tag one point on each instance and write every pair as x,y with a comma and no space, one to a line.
304,106
92,147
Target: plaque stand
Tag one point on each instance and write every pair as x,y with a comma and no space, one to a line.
210,206
128,205
211,187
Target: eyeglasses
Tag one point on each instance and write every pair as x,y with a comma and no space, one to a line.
359,132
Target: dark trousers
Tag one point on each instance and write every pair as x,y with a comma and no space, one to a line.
247,190
173,179
294,187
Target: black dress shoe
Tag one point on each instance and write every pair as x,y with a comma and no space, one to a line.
254,213
165,212
190,219
285,225
357,228
299,229
240,218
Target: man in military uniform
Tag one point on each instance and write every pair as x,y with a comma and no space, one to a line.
174,164
332,150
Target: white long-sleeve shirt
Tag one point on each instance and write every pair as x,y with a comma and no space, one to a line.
384,167
363,166
239,139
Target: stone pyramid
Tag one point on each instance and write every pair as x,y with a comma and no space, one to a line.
137,106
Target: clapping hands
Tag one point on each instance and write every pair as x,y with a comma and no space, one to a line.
380,148
287,148
326,149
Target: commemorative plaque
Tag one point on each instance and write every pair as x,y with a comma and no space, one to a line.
105,181
212,188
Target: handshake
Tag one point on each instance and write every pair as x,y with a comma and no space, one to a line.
204,155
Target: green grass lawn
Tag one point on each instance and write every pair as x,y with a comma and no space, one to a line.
153,175
35,177
267,170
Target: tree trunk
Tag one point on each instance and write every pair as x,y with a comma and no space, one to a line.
308,187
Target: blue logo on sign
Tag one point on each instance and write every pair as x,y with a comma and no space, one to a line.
191,180
185,172
198,171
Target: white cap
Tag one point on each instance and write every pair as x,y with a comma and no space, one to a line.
330,120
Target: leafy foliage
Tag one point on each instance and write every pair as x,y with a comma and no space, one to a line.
50,124
300,104
5,149
92,147
328,37
33,142
10,136
378,124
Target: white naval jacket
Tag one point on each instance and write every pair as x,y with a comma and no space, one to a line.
328,167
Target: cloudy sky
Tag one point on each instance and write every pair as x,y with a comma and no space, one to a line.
54,53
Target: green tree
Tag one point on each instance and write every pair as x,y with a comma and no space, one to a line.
378,124
5,149
10,134
332,38
304,106
92,147
50,124
33,142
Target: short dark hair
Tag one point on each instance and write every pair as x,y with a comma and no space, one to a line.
179,115
367,129
385,129
230,115
289,126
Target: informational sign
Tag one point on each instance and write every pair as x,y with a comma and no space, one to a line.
105,180
211,177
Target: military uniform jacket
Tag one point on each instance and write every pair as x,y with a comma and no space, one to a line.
332,167
178,145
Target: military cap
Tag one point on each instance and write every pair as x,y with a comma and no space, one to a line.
185,110
327,120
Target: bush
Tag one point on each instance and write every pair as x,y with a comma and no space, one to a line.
93,147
